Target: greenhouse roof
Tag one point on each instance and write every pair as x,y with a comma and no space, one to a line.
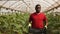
28,5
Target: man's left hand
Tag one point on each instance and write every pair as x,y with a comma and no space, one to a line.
45,26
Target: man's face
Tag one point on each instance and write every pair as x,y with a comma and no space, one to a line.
38,8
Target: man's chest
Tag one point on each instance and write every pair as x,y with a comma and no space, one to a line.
37,17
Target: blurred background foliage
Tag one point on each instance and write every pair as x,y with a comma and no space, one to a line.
14,23
54,23
17,23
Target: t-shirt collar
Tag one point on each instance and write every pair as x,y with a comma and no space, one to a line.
37,13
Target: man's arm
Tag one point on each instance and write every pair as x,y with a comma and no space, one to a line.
30,19
46,21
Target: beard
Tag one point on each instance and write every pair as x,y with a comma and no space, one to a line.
37,11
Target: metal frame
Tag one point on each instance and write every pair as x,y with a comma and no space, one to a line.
26,4
4,3
46,2
16,6
19,7
54,7
13,4
33,3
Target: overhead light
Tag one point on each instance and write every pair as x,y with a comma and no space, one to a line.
11,9
6,8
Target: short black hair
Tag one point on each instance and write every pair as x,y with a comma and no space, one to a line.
37,5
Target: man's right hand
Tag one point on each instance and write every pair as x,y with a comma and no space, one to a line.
29,25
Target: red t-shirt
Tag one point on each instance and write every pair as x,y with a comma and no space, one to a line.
37,20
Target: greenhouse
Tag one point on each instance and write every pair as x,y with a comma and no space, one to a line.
14,15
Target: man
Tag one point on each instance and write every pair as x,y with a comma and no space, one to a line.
38,19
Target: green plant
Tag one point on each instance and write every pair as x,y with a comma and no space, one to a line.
14,23
54,24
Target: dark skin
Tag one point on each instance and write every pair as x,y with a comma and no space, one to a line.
38,9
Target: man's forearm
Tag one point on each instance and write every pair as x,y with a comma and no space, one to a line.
46,24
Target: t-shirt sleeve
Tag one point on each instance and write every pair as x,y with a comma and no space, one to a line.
45,18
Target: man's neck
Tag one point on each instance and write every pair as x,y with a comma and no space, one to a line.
38,13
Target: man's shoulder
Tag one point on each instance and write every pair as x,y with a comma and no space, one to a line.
32,13
43,13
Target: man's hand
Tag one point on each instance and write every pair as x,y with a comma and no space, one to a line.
29,25
45,26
